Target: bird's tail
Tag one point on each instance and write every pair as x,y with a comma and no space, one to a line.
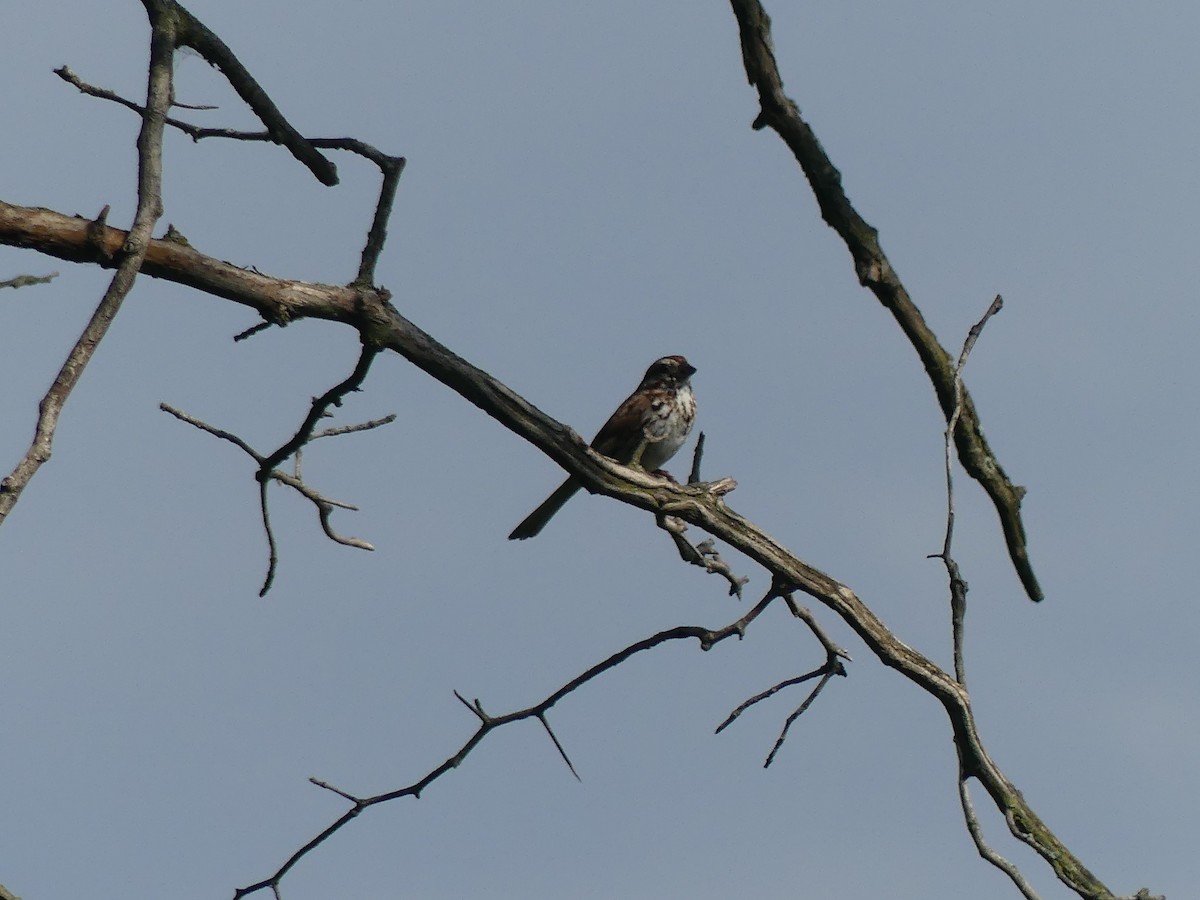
536,520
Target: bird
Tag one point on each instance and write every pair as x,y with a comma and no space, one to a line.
647,429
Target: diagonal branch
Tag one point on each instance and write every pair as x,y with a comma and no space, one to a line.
985,851
488,723
193,33
129,256
319,409
874,271
369,312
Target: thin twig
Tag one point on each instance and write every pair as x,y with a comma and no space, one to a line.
213,430
796,714
707,638
325,505
319,408
353,429
697,456
832,666
958,585
704,554
26,280
392,168
767,694
252,330
272,547
558,744
986,851
832,650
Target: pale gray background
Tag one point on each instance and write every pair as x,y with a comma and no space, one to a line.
585,194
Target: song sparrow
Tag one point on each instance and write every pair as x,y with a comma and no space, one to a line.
646,430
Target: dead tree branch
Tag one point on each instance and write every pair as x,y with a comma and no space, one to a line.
26,280
367,309
391,167
319,409
958,585
370,313
193,33
127,256
266,470
832,666
705,554
976,832
708,638
780,113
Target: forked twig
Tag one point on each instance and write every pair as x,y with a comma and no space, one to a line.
488,723
832,666
958,585
325,505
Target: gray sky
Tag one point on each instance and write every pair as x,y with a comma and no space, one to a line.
584,194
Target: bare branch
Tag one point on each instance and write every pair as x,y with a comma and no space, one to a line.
131,254
796,714
832,666
987,852
353,429
194,34
764,695
697,457
26,280
704,554
487,723
780,113
272,546
320,407
252,330
369,311
325,505
214,431
329,787
391,167
958,585
832,650
558,745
